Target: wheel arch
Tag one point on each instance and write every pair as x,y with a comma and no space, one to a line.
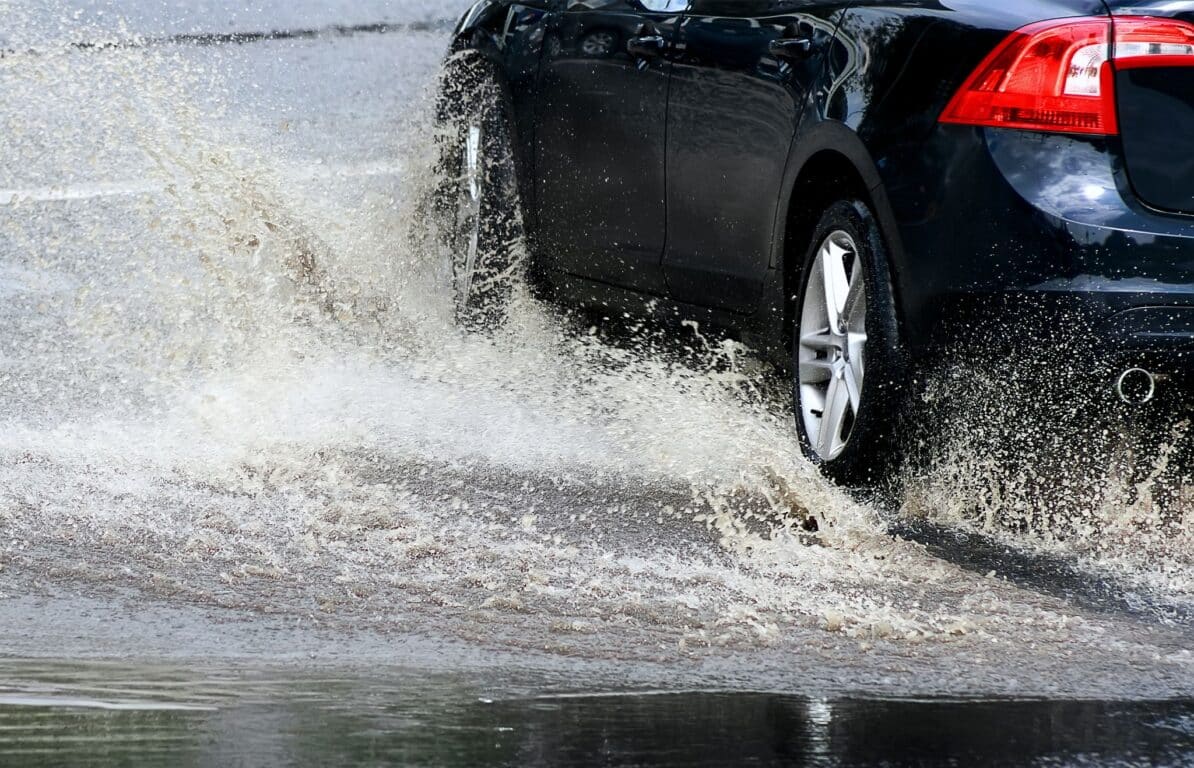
826,160
480,27
486,27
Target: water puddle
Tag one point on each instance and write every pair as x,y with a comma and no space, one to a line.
109,715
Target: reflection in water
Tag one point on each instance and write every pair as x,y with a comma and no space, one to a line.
113,716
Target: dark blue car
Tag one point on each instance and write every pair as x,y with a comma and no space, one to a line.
845,184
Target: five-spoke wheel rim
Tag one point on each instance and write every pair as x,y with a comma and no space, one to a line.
468,214
832,346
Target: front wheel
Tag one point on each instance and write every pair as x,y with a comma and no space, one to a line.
476,200
849,365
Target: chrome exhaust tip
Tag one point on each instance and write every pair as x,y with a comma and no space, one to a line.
1136,386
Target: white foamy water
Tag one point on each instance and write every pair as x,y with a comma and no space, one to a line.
1065,471
229,375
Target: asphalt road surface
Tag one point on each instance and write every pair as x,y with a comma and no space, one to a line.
238,428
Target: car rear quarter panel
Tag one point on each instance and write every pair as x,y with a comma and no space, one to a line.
893,68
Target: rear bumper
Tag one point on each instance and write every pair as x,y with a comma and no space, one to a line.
1162,336
1157,339
1119,328
1045,234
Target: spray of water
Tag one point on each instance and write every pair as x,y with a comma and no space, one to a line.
1038,455
231,375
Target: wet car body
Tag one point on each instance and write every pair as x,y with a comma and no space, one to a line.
683,181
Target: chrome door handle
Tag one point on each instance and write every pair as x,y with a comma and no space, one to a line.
646,46
792,48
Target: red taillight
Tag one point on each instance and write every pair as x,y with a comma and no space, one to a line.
1056,76
1051,76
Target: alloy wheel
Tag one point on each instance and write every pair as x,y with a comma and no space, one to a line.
832,346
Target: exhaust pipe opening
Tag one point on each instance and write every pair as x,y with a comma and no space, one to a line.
1136,386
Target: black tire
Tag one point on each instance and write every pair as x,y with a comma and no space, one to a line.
473,95
871,454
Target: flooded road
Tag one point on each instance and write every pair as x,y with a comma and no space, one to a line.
238,427
114,715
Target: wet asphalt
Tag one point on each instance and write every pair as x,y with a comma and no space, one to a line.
474,570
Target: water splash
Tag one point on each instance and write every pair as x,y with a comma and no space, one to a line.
232,377
1038,456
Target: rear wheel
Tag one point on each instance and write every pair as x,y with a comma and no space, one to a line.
849,365
476,200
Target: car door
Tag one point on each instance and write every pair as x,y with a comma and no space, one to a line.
600,139
738,88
